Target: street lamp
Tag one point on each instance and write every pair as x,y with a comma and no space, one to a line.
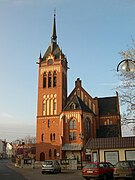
126,65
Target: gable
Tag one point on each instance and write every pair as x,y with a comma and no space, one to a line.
76,103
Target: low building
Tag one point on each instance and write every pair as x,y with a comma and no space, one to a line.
110,149
9,150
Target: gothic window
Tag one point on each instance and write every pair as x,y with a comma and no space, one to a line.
54,136
72,136
49,79
54,79
44,80
55,152
50,153
42,156
72,124
87,128
51,136
73,106
42,137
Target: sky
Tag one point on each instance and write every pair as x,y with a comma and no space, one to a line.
91,34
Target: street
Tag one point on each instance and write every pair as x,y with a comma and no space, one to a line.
9,172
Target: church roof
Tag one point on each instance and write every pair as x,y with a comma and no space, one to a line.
56,51
76,103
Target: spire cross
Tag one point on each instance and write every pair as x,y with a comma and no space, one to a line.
54,12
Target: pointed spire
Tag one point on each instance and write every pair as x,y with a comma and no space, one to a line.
54,36
40,56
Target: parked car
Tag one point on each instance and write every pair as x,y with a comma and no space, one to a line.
124,169
51,166
98,170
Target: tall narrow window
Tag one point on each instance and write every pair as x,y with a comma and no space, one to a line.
49,79
72,124
50,153
54,79
54,136
44,80
55,152
87,128
49,123
51,136
72,136
42,137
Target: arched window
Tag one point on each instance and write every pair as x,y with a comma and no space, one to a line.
50,153
49,79
54,79
87,128
44,80
72,124
42,156
72,136
42,137
49,122
73,106
55,152
51,136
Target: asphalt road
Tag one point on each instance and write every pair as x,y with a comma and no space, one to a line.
9,172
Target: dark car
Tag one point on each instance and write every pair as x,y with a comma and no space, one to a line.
98,170
125,169
51,166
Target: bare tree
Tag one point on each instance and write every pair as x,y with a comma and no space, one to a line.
126,89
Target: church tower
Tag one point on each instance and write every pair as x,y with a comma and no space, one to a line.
52,95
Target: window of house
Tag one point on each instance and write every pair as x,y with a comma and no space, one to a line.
49,122
54,136
73,106
54,79
42,137
49,79
87,128
72,136
51,136
72,124
50,153
44,80
55,152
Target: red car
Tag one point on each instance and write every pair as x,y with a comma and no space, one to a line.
98,170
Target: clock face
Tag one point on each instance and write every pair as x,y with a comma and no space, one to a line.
50,61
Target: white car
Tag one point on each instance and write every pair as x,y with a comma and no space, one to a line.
51,166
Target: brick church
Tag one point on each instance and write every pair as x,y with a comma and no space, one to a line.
65,123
